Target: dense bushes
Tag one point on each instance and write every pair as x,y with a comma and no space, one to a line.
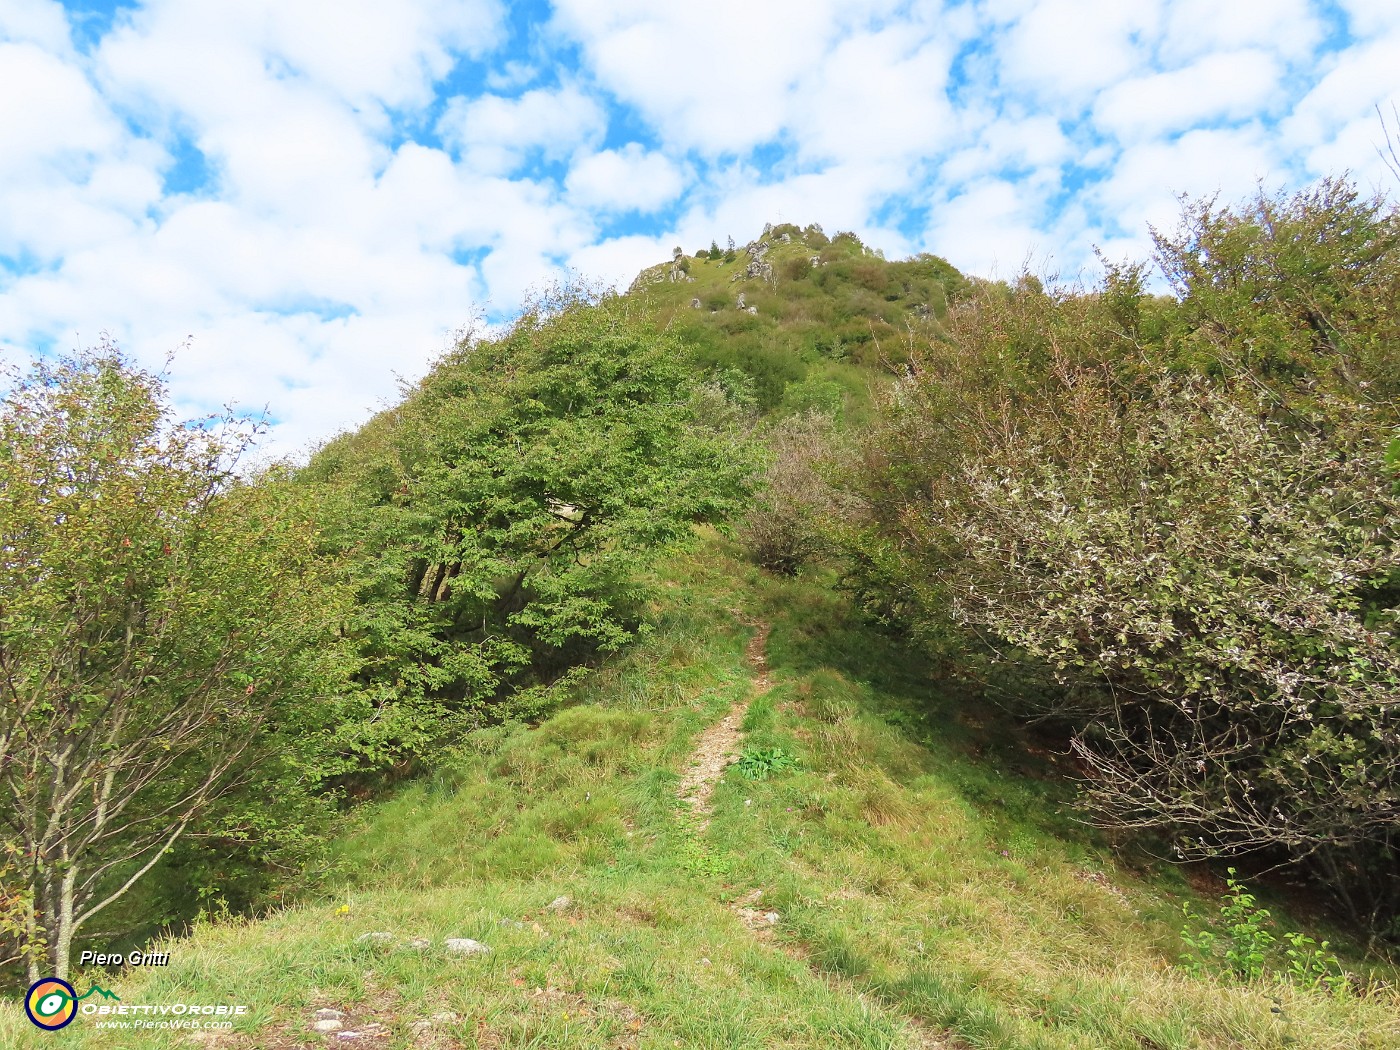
784,527
498,515
1179,513
170,678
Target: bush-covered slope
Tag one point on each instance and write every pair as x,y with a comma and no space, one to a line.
911,883
811,320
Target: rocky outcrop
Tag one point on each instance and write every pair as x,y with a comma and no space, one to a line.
757,266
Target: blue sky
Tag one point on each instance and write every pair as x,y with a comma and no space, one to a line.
309,197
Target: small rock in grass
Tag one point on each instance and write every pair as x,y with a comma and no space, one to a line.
328,1024
465,946
327,1014
420,944
374,938
560,903
446,1018
772,917
511,924
347,1037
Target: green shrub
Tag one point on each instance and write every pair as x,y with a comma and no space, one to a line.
500,519
783,528
1240,941
1180,518
760,763
798,268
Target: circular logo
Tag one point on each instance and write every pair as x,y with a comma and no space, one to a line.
51,1003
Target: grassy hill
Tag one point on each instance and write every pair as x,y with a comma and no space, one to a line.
914,880
821,318
692,803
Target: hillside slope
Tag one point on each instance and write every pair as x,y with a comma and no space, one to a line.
911,882
811,320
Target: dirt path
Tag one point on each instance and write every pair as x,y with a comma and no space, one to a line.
718,745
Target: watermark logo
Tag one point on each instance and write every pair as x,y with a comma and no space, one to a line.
52,1002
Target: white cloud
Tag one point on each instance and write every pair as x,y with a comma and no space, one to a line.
40,22
1064,50
630,179
877,95
49,114
1370,16
1037,143
617,262
1331,118
1229,85
717,77
1288,28
990,228
1148,179
338,241
496,134
204,58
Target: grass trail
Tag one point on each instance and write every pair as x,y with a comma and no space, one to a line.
717,747
915,880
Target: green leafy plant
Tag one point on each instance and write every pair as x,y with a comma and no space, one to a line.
760,763
1247,938
1240,940
497,519
1175,519
168,639
1311,966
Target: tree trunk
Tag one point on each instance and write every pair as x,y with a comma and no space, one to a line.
62,945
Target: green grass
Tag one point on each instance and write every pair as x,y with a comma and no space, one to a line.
931,885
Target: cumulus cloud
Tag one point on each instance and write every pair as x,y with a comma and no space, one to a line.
1226,86
497,134
629,179
1288,28
319,193
1065,50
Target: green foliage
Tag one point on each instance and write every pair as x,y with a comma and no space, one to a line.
812,320
1247,939
502,521
166,636
784,527
814,394
1294,289
1177,521
1239,938
760,763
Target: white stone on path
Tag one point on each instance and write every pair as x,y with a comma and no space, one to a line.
465,946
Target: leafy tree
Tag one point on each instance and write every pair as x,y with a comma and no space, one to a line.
1296,290
1179,518
502,522
163,640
